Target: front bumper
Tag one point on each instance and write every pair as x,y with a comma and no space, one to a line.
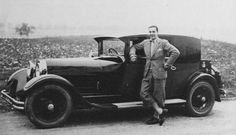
19,105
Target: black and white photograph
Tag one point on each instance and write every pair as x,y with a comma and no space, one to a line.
117,67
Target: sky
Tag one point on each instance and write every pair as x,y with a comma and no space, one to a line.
209,19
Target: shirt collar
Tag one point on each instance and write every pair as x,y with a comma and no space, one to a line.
154,41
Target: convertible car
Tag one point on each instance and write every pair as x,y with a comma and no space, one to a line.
50,89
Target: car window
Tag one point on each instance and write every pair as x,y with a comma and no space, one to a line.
117,45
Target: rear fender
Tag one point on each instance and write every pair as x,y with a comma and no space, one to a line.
54,79
209,78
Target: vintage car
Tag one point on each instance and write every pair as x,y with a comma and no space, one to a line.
49,90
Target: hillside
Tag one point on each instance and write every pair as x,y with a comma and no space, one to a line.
223,56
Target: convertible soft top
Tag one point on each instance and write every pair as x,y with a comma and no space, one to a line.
101,38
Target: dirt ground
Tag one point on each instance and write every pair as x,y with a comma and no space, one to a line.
221,121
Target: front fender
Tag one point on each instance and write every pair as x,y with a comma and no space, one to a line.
45,78
51,78
19,78
209,78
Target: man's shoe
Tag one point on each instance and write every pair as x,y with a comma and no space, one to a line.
161,121
152,120
162,117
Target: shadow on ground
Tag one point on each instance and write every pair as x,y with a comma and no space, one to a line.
94,116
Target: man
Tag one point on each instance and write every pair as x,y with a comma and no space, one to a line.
155,73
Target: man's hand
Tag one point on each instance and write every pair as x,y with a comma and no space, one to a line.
166,66
133,58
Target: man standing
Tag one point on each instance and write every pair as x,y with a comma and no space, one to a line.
155,73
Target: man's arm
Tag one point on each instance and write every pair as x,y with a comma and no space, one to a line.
173,51
133,49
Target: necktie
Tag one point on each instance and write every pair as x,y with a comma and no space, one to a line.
151,47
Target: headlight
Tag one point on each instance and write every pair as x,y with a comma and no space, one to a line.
36,70
41,68
31,70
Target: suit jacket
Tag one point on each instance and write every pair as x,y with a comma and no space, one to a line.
155,63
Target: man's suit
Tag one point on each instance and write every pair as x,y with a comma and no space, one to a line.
154,73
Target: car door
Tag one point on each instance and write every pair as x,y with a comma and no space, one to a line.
133,74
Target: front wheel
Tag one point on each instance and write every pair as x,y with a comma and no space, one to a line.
200,99
49,106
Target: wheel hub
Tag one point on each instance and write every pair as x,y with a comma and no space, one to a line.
51,107
203,99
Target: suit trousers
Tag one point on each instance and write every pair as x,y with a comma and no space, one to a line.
153,90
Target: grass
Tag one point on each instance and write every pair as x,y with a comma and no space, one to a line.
222,56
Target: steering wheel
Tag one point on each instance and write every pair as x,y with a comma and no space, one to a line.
112,51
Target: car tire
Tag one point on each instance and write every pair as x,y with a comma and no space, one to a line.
48,106
200,99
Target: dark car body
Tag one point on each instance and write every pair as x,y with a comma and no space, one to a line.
110,81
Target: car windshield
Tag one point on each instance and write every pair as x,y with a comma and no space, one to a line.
112,45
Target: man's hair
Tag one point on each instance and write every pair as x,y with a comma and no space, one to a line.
153,26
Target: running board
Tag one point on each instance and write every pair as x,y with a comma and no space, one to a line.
174,101
140,103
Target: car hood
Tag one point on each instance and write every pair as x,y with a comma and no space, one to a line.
80,65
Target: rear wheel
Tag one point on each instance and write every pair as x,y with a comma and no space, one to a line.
200,99
49,106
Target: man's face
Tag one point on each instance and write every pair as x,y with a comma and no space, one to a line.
153,33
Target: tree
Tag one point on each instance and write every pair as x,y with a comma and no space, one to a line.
25,29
